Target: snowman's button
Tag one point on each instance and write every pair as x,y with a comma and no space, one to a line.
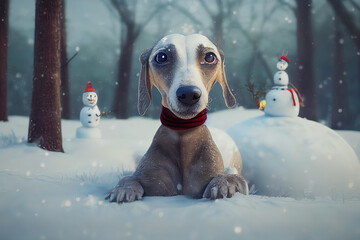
89,115
89,121
274,99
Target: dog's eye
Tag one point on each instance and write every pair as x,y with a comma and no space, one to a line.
210,57
161,57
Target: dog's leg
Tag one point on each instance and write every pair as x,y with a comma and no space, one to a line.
225,186
127,190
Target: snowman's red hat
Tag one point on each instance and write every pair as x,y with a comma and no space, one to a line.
89,88
284,57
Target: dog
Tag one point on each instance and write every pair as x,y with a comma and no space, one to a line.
183,158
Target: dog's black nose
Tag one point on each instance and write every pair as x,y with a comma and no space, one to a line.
188,94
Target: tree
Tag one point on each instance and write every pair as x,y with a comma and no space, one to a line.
349,22
347,19
218,17
4,31
65,83
305,73
340,113
45,115
130,30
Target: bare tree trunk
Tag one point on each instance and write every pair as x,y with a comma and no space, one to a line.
305,76
218,31
4,31
65,83
45,116
347,20
120,105
339,116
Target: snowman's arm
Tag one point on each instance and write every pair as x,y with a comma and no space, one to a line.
105,113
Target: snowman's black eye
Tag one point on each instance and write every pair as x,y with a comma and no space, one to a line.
274,99
210,57
279,78
161,57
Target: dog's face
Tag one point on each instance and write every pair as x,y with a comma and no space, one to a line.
183,69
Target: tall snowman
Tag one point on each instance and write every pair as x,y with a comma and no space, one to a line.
89,115
282,101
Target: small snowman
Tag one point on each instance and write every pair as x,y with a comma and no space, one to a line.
282,101
89,115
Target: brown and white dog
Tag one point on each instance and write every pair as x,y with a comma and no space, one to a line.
183,158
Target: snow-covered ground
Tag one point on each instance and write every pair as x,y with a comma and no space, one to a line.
47,195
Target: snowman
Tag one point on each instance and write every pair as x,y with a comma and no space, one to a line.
282,101
89,115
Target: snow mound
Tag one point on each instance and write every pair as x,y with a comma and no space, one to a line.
226,146
295,157
88,132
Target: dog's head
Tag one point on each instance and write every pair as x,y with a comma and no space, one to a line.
183,69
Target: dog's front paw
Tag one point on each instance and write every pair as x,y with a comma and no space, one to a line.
127,190
225,186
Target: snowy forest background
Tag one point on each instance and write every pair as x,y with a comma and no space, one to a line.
252,33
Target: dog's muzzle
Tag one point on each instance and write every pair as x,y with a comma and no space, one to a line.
188,95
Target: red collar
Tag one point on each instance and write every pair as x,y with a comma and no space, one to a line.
170,120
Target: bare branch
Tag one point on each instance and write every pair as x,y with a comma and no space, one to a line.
185,12
347,20
355,5
207,9
266,20
255,45
123,10
140,26
288,5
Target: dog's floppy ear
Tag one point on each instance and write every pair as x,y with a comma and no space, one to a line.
229,98
145,83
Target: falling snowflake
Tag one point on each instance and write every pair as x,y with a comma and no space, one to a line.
30,41
237,229
187,28
66,203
